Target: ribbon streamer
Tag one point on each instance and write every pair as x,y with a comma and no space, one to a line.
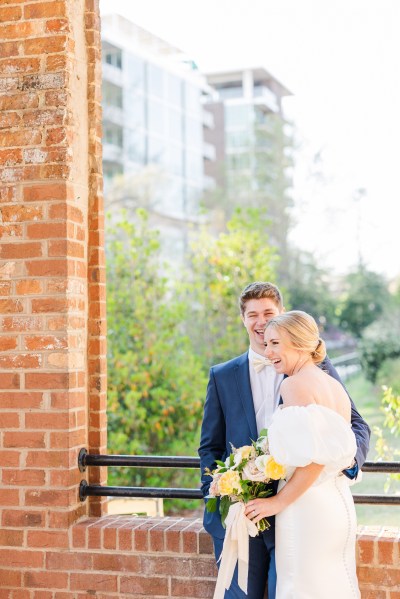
235,550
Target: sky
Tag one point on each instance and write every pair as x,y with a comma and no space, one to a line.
341,61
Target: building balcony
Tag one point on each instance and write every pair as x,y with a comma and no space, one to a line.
209,151
113,114
112,74
208,119
112,153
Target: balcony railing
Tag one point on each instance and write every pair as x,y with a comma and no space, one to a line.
85,490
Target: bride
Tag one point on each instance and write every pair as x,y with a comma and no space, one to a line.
312,435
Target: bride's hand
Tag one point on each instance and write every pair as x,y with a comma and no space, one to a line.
257,509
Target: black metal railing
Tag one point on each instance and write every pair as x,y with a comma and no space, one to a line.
86,490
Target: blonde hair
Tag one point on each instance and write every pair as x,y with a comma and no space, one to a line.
303,333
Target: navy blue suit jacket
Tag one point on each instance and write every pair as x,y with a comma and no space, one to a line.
229,417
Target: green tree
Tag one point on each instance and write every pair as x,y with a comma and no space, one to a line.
365,298
219,268
309,289
390,406
155,382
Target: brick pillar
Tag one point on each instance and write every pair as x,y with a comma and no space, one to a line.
52,282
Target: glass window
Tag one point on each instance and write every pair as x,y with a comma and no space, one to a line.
134,74
156,150
134,110
156,117
136,150
239,115
175,159
192,99
193,133
230,92
113,56
155,81
239,161
194,166
175,125
237,139
112,94
113,134
174,86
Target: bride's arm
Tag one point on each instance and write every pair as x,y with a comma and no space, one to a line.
302,479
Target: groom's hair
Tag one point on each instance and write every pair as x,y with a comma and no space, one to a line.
259,290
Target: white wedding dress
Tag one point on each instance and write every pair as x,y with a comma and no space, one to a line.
316,534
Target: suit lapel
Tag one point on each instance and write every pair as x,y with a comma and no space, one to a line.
245,394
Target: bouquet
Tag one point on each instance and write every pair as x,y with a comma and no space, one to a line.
244,475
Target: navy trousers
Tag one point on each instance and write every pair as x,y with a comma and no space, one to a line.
262,571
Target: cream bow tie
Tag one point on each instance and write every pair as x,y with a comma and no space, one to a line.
259,363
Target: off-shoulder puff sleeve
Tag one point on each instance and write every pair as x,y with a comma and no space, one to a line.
299,435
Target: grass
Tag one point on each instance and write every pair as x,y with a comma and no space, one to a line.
367,398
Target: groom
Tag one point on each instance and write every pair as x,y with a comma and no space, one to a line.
242,395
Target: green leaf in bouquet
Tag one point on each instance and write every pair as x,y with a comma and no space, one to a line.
211,504
219,463
263,433
231,460
224,506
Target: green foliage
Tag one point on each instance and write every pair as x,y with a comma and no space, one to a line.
380,342
220,267
155,381
390,371
391,409
365,298
308,288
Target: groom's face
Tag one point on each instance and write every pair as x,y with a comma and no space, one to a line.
256,314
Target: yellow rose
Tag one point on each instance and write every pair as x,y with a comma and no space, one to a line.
229,483
274,470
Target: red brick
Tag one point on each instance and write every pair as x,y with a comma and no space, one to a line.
47,268
10,459
23,439
94,582
21,400
20,100
11,537
10,306
10,66
141,585
24,559
44,10
9,497
10,157
45,45
29,287
69,561
10,578
24,361
20,250
21,213
23,137
9,420
22,323
47,538
9,119
28,478
192,588
7,343
56,580
10,13
20,30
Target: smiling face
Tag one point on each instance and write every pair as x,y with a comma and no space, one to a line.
280,351
257,313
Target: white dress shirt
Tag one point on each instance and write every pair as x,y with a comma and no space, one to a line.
265,386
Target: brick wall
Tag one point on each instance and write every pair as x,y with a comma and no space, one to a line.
52,283
52,339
